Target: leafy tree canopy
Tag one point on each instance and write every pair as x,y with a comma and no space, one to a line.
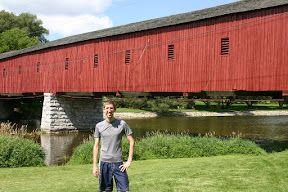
18,32
15,39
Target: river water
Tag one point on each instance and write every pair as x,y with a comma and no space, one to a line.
252,127
270,132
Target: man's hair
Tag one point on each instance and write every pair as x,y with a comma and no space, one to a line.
110,102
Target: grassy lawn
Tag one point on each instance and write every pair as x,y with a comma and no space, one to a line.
201,107
220,173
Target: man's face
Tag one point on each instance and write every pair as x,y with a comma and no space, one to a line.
109,110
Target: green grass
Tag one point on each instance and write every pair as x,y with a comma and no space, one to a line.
220,173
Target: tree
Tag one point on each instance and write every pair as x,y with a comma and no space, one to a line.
25,28
33,26
15,39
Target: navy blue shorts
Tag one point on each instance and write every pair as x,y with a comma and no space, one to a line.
107,171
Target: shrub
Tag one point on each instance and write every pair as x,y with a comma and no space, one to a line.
131,103
162,145
83,154
20,152
163,106
158,106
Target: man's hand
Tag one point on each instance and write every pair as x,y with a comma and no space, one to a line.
95,172
125,166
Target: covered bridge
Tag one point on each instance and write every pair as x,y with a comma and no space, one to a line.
233,49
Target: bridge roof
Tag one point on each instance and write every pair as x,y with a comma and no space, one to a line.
226,9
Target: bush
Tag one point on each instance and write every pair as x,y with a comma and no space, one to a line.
156,105
163,106
162,145
159,146
83,154
159,106
20,152
131,103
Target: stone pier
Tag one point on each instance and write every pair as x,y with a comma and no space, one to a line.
65,114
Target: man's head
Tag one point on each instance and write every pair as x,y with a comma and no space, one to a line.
109,108
110,102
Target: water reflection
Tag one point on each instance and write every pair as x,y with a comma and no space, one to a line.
271,128
59,147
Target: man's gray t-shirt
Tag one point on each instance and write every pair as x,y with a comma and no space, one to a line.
111,139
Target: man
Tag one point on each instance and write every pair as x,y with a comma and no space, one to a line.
111,164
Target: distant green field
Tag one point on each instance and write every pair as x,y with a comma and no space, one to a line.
201,107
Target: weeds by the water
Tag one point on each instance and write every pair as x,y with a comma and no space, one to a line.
213,134
163,145
13,129
157,145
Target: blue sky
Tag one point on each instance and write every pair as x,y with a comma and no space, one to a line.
70,17
129,11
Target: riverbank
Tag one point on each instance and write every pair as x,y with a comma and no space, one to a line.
127,115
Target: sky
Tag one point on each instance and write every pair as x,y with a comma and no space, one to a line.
65,18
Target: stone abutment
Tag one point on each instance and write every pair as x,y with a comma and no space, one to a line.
66,114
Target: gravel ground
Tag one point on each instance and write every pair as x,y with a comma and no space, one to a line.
126,115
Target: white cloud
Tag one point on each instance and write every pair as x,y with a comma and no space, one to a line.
58,7
65,17
71,25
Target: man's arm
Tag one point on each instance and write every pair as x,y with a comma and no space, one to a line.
95,157
125,166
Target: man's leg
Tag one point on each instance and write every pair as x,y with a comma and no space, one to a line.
105,177
121,178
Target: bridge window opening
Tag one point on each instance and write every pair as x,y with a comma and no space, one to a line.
170,52
4,72
96,60
127,57
225,46
66,63
20,69
38,66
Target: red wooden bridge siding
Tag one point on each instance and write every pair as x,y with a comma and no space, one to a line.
257,59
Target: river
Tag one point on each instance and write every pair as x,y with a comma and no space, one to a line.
270,132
